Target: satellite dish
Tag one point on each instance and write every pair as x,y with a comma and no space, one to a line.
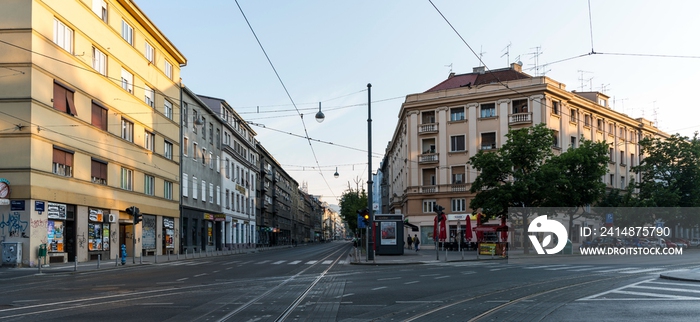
519,63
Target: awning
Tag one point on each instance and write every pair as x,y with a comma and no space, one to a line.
413,227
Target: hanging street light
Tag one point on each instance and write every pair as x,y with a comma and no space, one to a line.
319,116
336,175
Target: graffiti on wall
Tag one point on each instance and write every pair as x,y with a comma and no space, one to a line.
13,226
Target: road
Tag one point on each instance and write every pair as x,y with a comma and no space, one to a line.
317,283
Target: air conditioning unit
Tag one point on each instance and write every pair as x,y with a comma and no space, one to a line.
12,254
112,218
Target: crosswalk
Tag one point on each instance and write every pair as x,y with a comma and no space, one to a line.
559,268
242,263
651,289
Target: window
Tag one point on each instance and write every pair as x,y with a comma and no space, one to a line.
612,180
519,106
168,109
127,179
211,193
194,121
459,205
99,116
587,120
99,61
622,133
218,164
573,142
63,99
98,172
218,193
148,184
457,114
488,141
218,139
195,151
62,162
622,158
184,114
204,191
168,69
227,169
149,140
127,130
204,156
457,143
488,110
631,159
127,81
150,53
185,184
458,175
168,190
99,7
600,124
612,155
204,130
185,145
127,33
149,96
194,187
228,200
622,182
428,205
168,150
555,107
574,115
211,133
211,160
62,35
555,141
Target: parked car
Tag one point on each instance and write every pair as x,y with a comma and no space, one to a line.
667,243
680,243
694,242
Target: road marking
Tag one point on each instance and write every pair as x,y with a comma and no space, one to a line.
426,275
378,288
416,302
263,262
439,277
615,270
561,268
344,295
412,282
245,263
227,268
326,262
642,270
498,269
198,275
311,262
590,268
229,263
294,262
538,267
154,304
388,278
278,262
667,289
24,301
183,279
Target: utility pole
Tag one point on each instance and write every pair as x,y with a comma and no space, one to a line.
370,241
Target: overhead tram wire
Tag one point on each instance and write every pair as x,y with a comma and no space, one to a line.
286,91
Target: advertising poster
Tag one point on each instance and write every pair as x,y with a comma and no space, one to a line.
55,236
168,232
105,237
148,228
388,230
56,211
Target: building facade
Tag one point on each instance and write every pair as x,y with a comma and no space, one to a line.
90,93
202,217
277,207
426,162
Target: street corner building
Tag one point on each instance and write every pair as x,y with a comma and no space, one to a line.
89,111
439,130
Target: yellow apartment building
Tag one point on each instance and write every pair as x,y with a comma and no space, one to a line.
440,129
89,126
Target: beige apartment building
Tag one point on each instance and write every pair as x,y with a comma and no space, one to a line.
440,129
89,126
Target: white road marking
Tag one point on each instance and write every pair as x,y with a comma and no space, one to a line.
311,262
538,267
561,268
378,288
278,262
439,277
388,278
183,279
412,282
263,262
590,268
642,270
326,262
198,275
294,262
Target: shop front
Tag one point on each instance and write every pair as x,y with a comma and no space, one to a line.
60,238
168,235
208,232
148,235
98,232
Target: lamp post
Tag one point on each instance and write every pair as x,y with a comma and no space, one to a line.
370,235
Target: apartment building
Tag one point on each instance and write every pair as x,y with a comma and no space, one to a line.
89,102
239,164
277,208
203,221
439,130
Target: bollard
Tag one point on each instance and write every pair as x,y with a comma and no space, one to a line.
200,253
168,256
155,257
98,260
178,255
116,260
141,260
186,251
75,268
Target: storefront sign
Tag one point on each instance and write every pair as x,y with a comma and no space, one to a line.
17,205
208,217
168,223
96,215
219,217
56,211
240,189
457,217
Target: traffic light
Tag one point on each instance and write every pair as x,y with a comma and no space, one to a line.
134,211
364,216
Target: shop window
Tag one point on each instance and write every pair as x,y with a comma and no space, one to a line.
62,162
63,99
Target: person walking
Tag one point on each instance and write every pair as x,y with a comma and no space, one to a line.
416,242
409,241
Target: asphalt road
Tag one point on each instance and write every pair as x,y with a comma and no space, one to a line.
317,283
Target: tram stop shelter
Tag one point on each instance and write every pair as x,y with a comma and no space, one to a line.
389,234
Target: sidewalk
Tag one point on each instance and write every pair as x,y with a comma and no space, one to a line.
423,256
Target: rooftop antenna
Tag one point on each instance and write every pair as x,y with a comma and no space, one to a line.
481,56
621,100
450,66
536,57
545,70
604,88
590,84
507,54
581,77
655,114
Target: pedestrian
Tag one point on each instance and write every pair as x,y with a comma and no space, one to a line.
409,241
416,241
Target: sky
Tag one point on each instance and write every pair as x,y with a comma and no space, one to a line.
647,60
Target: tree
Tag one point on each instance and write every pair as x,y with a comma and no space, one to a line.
512,176
350,202
578,173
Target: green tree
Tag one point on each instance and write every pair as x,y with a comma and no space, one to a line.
513,175
350,202
576,176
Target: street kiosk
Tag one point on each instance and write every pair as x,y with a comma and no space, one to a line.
389,236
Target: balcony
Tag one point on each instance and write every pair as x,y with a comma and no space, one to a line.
427,128
428,189
519,118
427,158
458,187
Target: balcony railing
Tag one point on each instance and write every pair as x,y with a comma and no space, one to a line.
458,187
428,158
428,189
427,128
520,118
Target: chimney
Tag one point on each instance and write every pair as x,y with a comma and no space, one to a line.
517,67
452,74
479,70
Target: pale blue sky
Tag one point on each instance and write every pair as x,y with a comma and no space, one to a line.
323,50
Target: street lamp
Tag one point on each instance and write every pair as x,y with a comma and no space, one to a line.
370,208
336,175
320,116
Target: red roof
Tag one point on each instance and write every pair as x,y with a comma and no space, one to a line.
476,79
